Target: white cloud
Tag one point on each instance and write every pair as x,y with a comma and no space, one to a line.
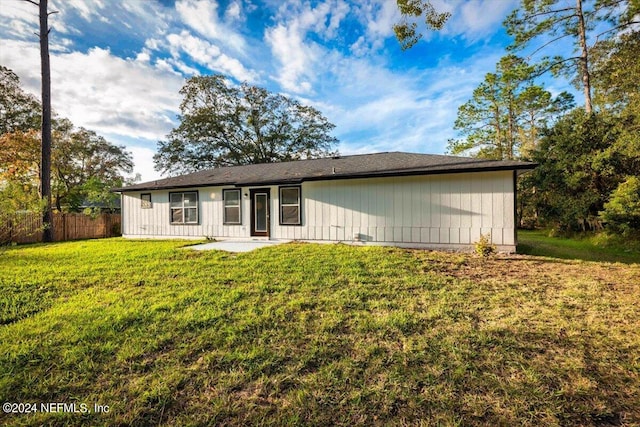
234,11
100,91
209,55
298,56
202,16
143,160
474,19
295,56
377,17
377,109
87,9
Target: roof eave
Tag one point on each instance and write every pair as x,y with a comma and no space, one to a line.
378,174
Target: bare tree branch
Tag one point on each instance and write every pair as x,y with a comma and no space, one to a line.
626,24
539,73
545,45
548,12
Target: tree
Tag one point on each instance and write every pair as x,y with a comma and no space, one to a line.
84,166
45,163
616,71
505,113
411,10
622,211
19,167
580,165
18,109
224,125
548,21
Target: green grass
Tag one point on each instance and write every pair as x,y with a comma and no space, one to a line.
303,334
587,248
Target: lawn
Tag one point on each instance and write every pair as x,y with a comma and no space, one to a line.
589,247
304,334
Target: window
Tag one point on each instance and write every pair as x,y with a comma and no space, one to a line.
232,206
290,206
184,207
145,201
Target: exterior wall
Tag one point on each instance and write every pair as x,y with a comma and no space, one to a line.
440,211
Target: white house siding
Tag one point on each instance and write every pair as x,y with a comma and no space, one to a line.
440,211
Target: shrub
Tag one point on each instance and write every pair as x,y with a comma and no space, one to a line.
622,211
484,247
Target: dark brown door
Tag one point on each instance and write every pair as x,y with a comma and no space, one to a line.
260,212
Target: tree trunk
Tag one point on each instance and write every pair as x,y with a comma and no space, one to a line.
45,164
584,57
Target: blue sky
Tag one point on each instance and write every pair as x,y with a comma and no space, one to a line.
117,66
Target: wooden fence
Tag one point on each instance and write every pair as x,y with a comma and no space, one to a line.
27,227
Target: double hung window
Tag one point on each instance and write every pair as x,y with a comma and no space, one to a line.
290,206
232,206
184,207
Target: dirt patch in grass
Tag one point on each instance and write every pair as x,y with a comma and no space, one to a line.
531,270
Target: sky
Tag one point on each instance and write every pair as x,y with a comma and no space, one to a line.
117,66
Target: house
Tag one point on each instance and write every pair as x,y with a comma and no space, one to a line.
401,199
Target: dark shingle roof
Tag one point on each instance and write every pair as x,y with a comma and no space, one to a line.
341,167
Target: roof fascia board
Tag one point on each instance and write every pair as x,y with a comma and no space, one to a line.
382,174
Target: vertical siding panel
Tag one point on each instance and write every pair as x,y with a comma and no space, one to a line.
454,235
487,196
445,201
456,188
326,212
435,203
508,237
415,234
476,208
405,188
498,201
397,215
424,235
466,213
497,221
434,233
426,204
308,215
347,223
341,188
363,214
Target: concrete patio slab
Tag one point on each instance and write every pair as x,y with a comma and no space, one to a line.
237,245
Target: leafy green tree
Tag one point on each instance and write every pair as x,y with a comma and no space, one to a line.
224,125
86,166
580,165
541,23
80,161
19,111
406,30
622,212
505,113
616,73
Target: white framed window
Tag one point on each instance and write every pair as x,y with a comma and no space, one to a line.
184,207
290,206
145,201
232,210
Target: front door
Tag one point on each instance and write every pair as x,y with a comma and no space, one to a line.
260,212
